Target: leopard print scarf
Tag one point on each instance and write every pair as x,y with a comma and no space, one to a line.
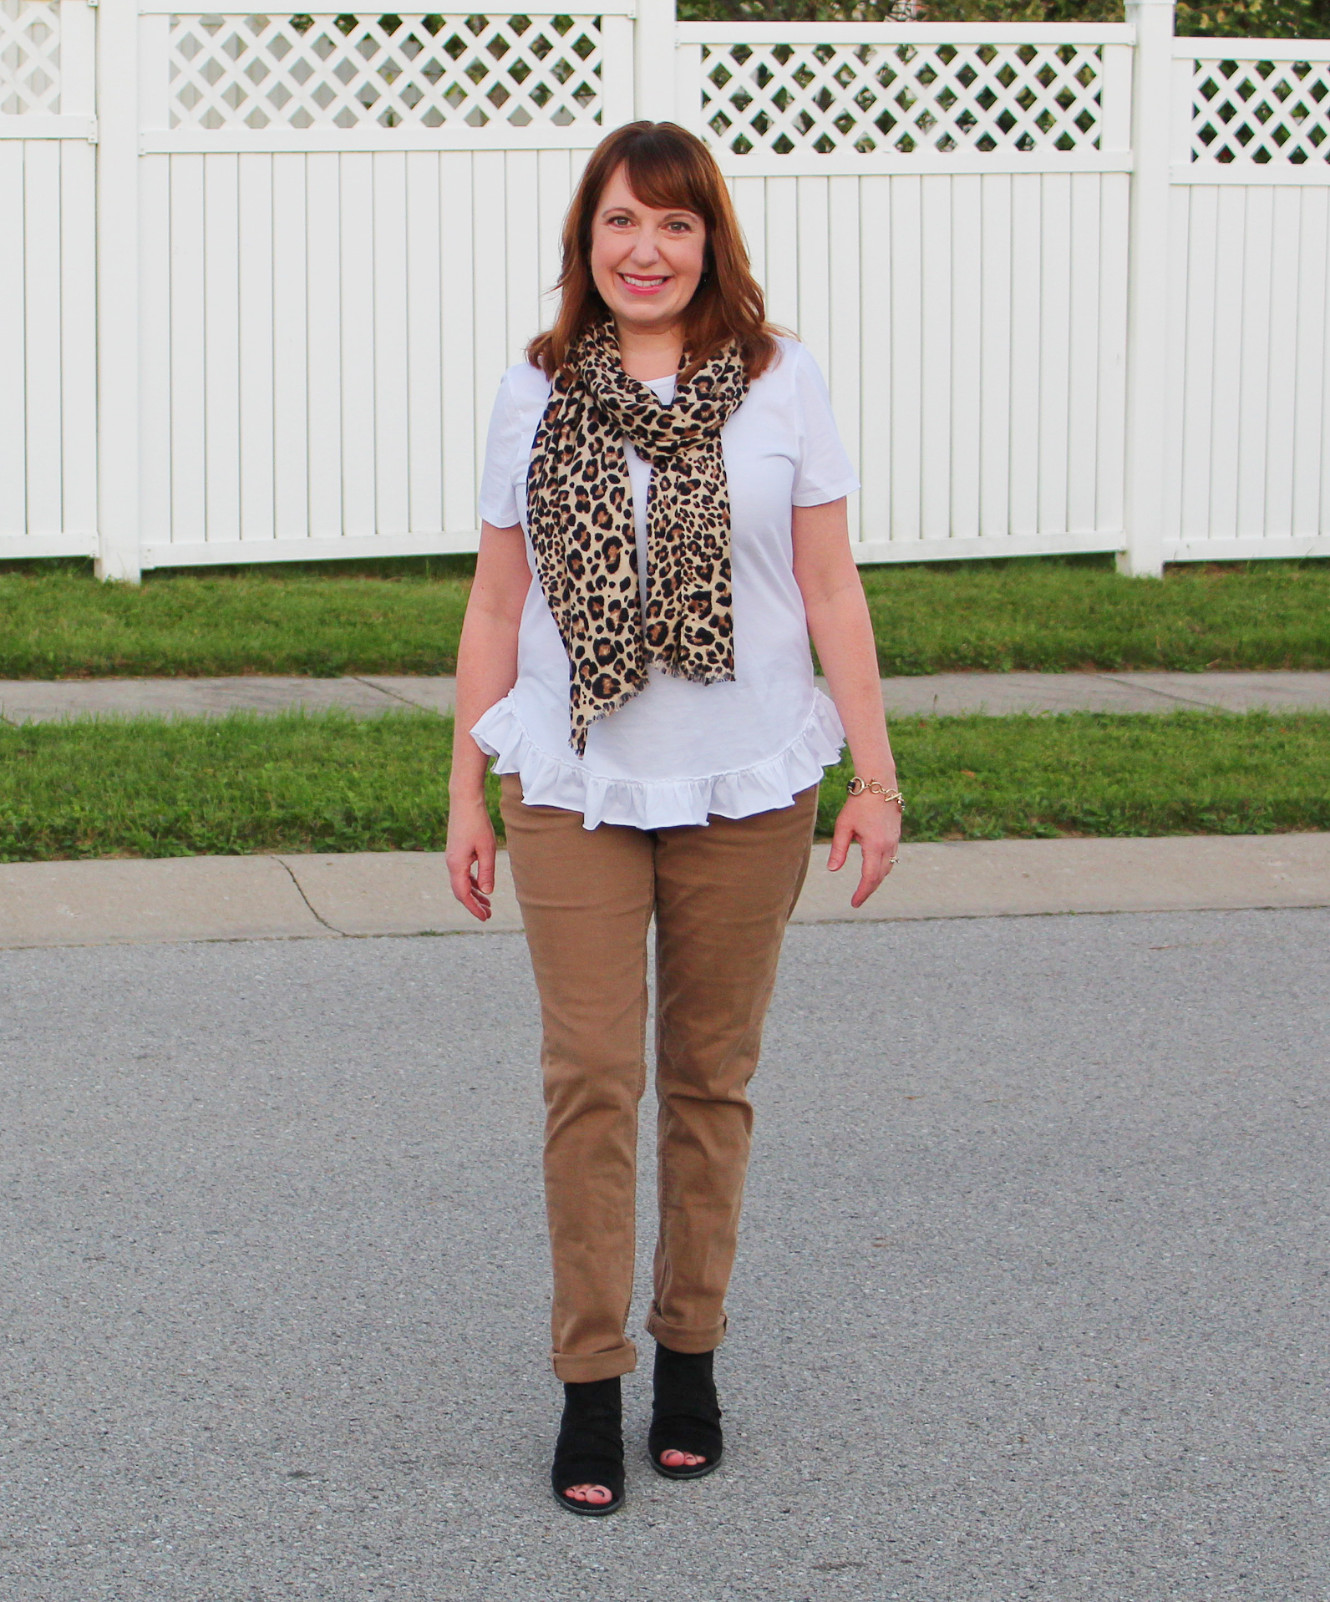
580,515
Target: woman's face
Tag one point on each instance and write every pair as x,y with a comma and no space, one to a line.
645,263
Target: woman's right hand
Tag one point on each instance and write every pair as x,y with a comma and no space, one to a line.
470,854
486,672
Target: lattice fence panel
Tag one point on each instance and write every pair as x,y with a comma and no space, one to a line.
902,97
1261,112
29,57
418,70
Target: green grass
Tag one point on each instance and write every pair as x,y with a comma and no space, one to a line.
332,783
1041,614
982,778
1046,616
157,788
66,625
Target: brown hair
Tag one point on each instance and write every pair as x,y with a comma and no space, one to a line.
666,167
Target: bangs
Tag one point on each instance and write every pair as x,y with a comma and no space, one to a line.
661,174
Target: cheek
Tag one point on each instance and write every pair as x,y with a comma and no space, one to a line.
601,263
690,259
605,252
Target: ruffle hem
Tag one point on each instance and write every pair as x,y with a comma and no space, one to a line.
551,781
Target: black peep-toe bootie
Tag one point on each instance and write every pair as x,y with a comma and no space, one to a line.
589,1450
685,1415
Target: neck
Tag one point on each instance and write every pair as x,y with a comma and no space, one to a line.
650,354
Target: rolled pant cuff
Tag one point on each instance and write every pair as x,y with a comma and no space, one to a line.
596,1366
679,1339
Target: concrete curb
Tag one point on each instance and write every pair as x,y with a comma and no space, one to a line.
145,902
407,893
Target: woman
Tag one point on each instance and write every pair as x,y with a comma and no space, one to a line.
667,470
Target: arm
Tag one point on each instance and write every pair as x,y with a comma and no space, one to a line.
841,631
486,671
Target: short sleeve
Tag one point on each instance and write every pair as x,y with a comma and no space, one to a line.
825,471
498,494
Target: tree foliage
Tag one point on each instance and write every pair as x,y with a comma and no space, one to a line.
1258,19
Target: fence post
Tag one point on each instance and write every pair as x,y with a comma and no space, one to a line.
118,291
1147,287
653,80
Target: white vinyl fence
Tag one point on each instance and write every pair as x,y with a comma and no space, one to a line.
259,274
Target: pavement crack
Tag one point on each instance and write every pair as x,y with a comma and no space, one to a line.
382,689
314,912
1166,695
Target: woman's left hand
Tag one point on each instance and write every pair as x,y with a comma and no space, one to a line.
876,825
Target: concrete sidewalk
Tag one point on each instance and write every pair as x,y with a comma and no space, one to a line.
407,893
43,701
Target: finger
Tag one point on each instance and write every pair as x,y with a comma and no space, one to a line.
868,883
485,859
478,901
841,836
466,891
871,876
459,877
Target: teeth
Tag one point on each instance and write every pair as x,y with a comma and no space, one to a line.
645,283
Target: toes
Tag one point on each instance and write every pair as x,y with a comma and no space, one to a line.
676,1459
588,1493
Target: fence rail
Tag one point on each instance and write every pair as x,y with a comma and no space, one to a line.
259,273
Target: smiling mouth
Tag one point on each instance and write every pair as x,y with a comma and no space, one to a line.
642,283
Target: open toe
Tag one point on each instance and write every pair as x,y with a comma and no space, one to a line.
685,1415
588,1456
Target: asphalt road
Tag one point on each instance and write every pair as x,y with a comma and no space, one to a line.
1032,1300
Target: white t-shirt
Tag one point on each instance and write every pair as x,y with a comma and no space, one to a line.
679,751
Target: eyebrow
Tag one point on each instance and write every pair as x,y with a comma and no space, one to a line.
675,211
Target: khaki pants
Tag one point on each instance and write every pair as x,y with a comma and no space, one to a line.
721,895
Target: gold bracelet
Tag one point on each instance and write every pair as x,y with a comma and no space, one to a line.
858,786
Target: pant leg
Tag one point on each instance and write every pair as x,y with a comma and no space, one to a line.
724,894
586,899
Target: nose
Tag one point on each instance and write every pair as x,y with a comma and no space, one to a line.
645,250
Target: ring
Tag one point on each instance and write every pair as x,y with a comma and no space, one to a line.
892,861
